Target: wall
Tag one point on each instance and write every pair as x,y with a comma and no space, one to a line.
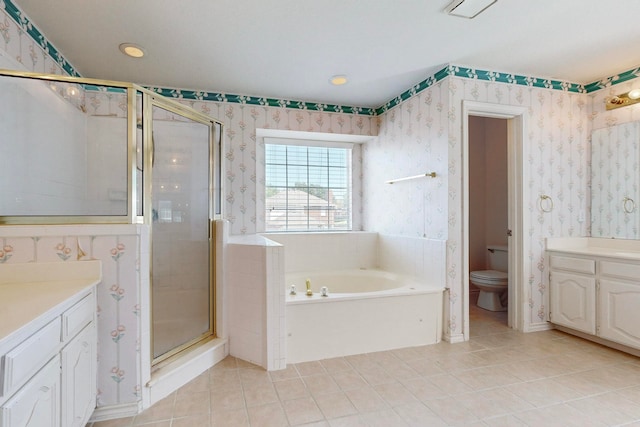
121,249
412,140
477,194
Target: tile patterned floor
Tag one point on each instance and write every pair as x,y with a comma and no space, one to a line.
499,378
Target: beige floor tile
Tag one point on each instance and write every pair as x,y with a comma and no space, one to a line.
378,376
336,365
362,363
418,415
164,423
349,421
269,415
201,420
384,418
561,415
423,389
192,403
302,411
544,392
291,389
399,370
505,421
310,368
607,408
198,384
449,384
460,362
487,377
321,384
230,418
451,411
409,353
492,403
395,394
424,367
365,399
335,405
224,400
227,381
261,394
253,376
348,380
385,356
284,374
161,411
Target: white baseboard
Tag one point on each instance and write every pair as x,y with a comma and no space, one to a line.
177,373
453,339
104,413
537,327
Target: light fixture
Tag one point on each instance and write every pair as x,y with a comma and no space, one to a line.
468,8
132,50
623,100
338,80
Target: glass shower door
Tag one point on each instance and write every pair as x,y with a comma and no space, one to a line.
182,291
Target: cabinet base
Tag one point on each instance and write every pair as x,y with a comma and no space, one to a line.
598,340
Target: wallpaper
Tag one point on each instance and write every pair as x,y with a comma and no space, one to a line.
419,131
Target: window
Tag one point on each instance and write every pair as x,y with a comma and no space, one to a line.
308,188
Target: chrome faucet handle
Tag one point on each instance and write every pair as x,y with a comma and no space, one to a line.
292,290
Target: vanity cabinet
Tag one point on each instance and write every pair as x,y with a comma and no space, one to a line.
597,296
48,362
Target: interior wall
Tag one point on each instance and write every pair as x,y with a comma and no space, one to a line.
477,194
496,181
555,163
412,140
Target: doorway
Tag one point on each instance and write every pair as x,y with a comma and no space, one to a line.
513,117
488,218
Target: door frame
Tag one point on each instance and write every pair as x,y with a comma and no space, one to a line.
516,131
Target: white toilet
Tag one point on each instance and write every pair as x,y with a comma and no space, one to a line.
493,284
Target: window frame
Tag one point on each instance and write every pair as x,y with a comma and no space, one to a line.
350,189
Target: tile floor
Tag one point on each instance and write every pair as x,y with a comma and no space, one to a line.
499,378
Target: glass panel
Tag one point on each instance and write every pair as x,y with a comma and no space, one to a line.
63,149
181,216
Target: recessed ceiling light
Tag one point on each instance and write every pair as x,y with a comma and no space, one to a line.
468,8
338,80
132,50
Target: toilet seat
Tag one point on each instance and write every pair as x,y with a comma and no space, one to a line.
490,277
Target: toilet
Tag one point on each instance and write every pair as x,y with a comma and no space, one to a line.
493,284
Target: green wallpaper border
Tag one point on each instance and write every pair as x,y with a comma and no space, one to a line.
450,70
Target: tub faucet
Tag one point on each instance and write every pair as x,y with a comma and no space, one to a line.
309,291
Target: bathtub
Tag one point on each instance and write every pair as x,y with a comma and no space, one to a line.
366,310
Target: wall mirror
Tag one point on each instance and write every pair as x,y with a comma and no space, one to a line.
615,198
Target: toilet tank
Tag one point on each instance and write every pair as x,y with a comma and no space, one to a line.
498,257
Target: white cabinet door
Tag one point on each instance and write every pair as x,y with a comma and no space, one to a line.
620,312
79,378
37,403
573,301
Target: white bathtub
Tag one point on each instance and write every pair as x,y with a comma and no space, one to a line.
367,310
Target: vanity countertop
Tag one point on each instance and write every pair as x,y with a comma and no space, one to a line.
29,291
612,248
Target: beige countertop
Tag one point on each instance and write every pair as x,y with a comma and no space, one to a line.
30,291
590,246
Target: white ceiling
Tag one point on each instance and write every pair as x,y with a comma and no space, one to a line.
290,48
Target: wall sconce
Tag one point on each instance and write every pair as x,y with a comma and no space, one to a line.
623,100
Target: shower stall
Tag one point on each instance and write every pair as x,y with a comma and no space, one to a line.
86,151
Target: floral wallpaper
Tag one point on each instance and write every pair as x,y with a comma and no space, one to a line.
419,131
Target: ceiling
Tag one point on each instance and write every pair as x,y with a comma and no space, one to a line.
289,49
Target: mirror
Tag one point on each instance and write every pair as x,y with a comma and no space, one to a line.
615,198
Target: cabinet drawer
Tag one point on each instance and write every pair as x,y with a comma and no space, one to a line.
620,269
25,359
579,265
77,317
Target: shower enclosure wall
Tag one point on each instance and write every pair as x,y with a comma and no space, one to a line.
84,151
